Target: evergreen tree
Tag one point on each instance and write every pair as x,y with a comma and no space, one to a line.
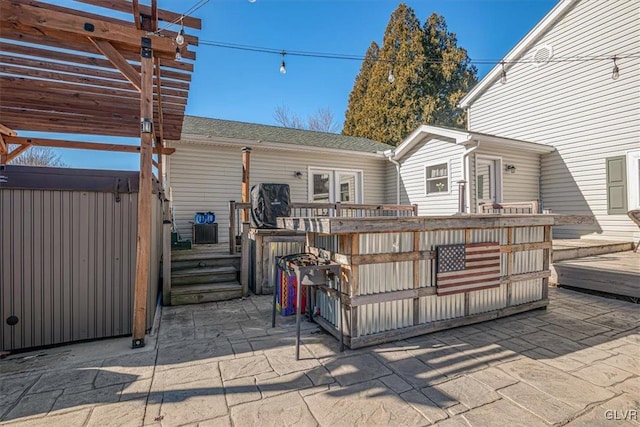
431,74
353,116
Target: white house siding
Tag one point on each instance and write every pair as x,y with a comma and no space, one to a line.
412,177
577,108
205,177
521,186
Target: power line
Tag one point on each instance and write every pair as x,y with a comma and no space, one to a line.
351,57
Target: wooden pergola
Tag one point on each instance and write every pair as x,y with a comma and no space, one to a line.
68,71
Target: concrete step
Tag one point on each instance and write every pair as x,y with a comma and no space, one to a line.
205,292
575,249
191,276
202,260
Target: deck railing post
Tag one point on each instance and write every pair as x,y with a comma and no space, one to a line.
338,209
415,209
232,227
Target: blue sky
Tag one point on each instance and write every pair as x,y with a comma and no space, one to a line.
247,86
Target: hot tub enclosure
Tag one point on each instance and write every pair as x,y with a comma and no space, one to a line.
68,255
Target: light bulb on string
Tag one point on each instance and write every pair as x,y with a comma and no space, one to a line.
391,78
503,75
178,54
283,68
180,36
252,1
615,74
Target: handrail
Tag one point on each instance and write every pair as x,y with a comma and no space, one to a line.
315,209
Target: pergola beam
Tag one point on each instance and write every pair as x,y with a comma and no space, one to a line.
163,15
38,16
62,143
118,61
16,152
7,131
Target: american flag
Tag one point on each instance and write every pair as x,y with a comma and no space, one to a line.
465,268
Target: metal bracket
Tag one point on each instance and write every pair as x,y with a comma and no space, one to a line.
145,50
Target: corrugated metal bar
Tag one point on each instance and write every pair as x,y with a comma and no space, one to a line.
377,243
67,265
487,300
434,308
385,316
526,291
277,249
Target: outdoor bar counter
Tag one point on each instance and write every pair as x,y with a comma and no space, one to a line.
407,276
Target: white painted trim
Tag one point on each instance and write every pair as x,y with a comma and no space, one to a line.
449,180
499,182
520,49
633,180
422,132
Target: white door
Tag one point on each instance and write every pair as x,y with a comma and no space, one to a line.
633,178
486,182
347,187
322,187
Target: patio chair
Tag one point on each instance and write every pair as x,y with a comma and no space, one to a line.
634,214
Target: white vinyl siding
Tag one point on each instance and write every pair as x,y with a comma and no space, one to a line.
577,108
521,186
205,177
412,177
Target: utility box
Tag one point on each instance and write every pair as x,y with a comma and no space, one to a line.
203,234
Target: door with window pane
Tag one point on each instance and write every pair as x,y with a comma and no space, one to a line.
486,183
322,187
347,183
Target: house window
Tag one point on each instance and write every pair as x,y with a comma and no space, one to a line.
330,186
437,178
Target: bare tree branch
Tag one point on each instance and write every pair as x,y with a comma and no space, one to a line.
39,156
322,121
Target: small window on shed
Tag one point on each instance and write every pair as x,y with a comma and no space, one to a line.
437,178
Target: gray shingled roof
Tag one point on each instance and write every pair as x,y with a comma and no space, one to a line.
256,132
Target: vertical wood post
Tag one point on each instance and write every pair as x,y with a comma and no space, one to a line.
143,246
467,302
246,174
244,260
416,278
415,209
509,265
232,227
546,260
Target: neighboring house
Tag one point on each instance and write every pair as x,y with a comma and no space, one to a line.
432,160
205,172
560,91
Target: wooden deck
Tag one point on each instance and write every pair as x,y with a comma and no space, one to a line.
564,249
613,273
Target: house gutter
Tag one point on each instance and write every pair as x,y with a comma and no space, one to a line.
389,155
462,205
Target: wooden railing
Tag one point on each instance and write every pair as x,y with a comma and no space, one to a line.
317,210
511,208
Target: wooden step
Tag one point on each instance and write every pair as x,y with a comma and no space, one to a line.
192,276
204,260
205,292
575,249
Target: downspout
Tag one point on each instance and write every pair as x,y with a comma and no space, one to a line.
389,155
465,174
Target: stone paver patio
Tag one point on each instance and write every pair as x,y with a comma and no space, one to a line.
221,364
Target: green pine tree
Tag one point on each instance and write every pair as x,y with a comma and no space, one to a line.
431,74
353,116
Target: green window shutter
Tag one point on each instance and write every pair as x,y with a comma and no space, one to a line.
616,185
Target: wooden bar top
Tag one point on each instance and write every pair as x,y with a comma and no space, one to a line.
393,224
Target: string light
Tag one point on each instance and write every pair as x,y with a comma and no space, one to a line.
616,71
283,68
178,54
391,77
503,74
180,36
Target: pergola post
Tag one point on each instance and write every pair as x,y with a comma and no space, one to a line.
144,196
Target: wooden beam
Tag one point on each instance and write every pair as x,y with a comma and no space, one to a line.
38,16
143,248
135,8
7,131
160,134
60,143
3,146
154,15
118,61
16,152
163,15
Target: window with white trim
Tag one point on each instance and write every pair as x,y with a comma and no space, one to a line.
437,178
335,185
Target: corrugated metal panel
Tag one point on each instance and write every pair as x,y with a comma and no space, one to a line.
576,107
380,317
487,300
276,249
376,243
205,177
328,308
526,291
434,308
429,240
67,265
